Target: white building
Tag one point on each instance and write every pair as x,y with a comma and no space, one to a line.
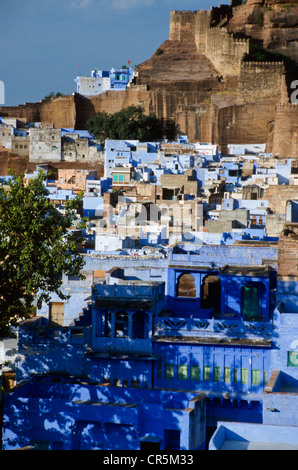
112,242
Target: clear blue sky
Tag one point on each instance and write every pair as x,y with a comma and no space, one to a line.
45,44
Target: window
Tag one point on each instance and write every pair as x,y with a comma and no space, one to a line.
194,372
186,286
216,374
121,325
235,376
250,301
182,372
106,324
292,359
115,178
255,377
244,376
57,313
169,371
121,178
227,374
206,373
40,445
211,293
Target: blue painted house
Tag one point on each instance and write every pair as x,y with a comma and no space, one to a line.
159,364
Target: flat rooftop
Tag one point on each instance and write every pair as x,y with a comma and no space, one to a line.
243,445
249,436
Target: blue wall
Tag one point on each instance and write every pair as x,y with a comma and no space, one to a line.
77,417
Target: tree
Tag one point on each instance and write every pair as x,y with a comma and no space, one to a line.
52,95
129,123
37,245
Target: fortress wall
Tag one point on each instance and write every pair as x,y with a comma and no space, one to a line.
30,112
225,51
182,25
242,123
260,80
201,29
285,136
219,46
59,111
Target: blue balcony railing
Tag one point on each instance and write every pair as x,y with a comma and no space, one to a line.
191,327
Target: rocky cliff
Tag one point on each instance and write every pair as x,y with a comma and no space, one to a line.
223,76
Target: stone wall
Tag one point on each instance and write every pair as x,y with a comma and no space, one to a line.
182,25
278,195
225,51
288,253
259,81
45,144
249,122
59,111
220,47
285,136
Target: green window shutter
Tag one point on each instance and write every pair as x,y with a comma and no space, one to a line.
292,359
115,177
194,372
227,374
206,373
250,301
244,376
216,374
182,372
255,377
169,371
121,178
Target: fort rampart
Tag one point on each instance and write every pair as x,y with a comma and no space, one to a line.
206,29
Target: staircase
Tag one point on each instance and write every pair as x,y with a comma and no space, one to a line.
84,318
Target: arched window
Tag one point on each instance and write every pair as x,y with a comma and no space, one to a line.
186,286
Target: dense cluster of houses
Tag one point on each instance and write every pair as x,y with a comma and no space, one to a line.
183,334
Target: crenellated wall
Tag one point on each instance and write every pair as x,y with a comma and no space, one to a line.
206,29
259,81
225,51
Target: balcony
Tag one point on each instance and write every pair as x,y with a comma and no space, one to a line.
210,330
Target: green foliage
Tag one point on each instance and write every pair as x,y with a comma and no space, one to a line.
36,247
53,95
129,123
259,53
260,18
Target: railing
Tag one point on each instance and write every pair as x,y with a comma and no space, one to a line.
54,336
164,326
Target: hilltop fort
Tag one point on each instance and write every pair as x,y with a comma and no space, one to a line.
223,76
